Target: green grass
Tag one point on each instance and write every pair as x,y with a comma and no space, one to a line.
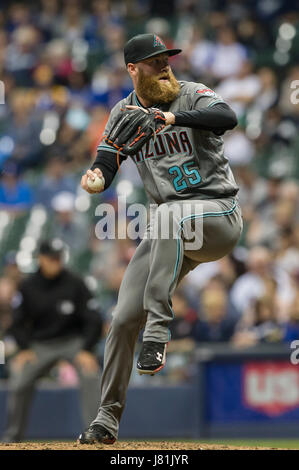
275,443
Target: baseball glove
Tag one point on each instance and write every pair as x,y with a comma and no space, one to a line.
133,128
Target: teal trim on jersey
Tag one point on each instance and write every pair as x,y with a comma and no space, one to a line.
215,102
137,102
106,146
196,216
109,149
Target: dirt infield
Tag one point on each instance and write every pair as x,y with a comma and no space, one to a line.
122,445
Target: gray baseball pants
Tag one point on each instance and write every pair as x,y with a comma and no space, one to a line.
22,384
151,277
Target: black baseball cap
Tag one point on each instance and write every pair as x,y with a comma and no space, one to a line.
144,46
53,248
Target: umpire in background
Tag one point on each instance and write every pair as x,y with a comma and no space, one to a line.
54,319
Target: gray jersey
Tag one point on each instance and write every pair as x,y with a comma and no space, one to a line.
182,163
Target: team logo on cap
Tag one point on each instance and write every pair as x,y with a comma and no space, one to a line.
158,41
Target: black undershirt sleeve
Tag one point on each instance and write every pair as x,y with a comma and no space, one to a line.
107,162
217,118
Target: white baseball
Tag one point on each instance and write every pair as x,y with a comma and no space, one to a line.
97,184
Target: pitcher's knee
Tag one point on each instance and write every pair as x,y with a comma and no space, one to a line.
154,291
122,323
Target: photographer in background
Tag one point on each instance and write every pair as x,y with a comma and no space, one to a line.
54,319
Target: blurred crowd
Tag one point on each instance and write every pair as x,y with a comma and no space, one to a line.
61,63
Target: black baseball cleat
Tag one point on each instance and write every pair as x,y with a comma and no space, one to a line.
96,434
152,357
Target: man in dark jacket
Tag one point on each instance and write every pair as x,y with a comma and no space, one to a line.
54,319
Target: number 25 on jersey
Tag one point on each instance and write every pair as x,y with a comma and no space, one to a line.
184,176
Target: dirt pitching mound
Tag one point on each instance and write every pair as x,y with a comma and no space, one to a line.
123,445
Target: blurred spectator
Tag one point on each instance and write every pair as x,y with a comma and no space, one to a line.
287,250
229,55
277,218
57,56
182,345
18,14
55,180
260,324
252,285
242,89
49,96
216,323
262,196
47,17
55,318
109,261
252,190
15,195
68,224
23,126
238,148
96,127
268,93
71,24
110,86
182,326
201,54
71,141
79,89
22,53
221,273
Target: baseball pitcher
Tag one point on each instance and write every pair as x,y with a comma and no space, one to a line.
172,130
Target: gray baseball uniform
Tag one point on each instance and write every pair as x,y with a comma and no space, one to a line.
187,168
183,163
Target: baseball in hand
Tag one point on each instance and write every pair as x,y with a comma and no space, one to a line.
97,184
